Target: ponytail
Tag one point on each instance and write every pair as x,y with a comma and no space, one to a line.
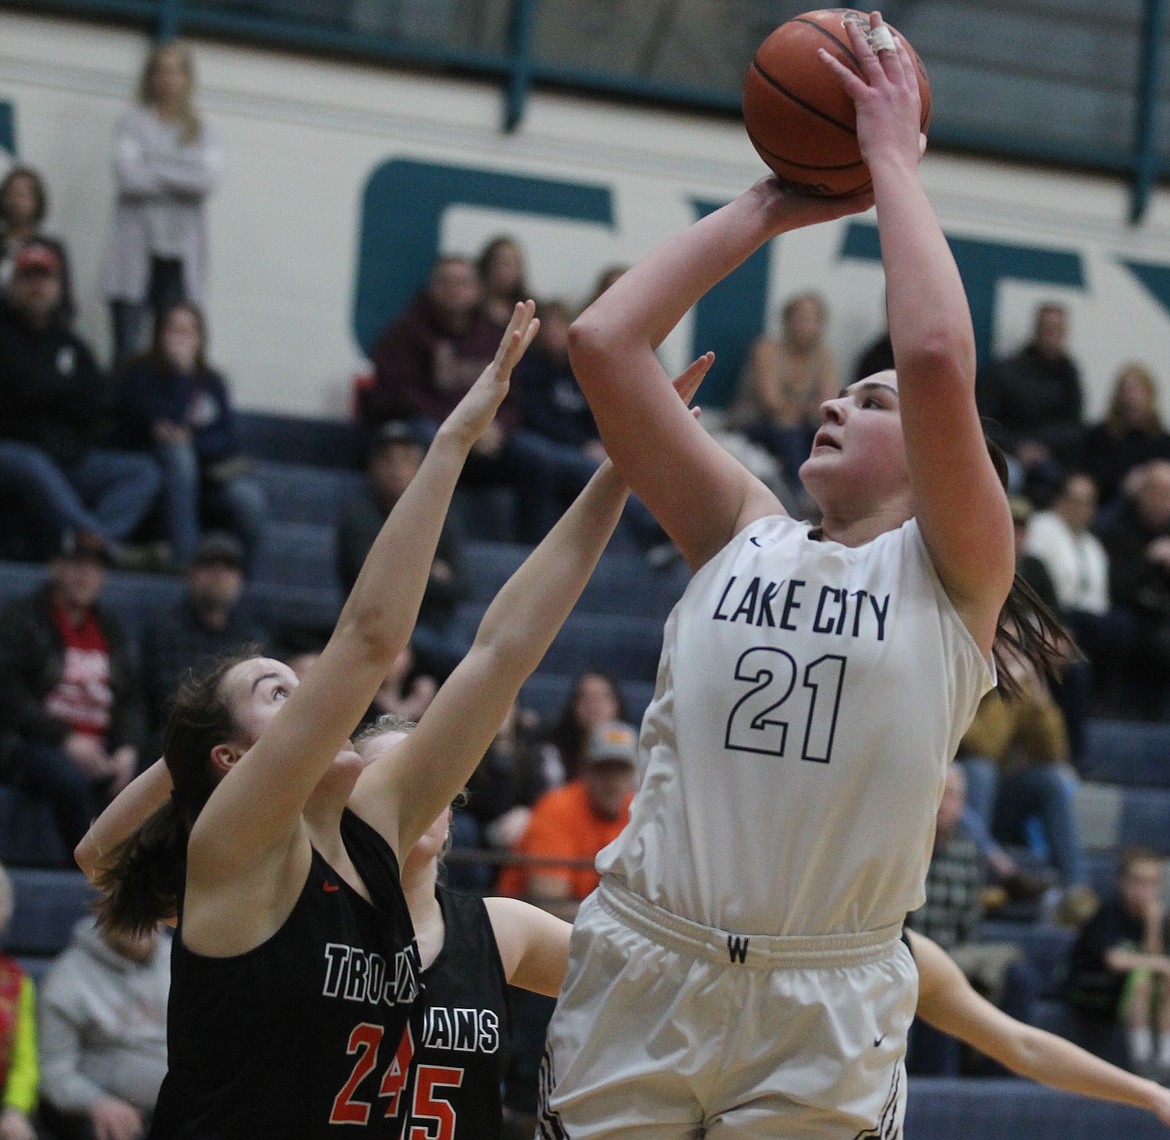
141,882
142,878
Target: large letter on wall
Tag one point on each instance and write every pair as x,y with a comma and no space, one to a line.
402,210
7,127
1155,278
982,264
728,318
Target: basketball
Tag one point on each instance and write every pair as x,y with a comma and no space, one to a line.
798,117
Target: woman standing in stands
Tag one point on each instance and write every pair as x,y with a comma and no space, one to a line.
166,163
814,683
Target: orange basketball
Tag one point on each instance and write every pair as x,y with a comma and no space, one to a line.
799,119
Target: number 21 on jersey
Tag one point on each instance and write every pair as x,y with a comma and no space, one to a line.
759,722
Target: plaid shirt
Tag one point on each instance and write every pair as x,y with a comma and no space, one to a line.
952,909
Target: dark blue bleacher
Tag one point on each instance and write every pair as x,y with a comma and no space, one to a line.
315,442
1046,945
28,831
546,694
1127,752
1145,818
940,1108
48,905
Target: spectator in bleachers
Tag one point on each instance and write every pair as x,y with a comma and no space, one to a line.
393,461
1137,540
208,622
406,691
1028,566
1015,757
557,447
19,1067
557,434
605,279
1119,968
594,699
575,822
1078,565
55,410
1132,432
785,380
103,1021
951,916
501,276
428,357
509,780
71,709
1033,403
176,405
166,163
24,205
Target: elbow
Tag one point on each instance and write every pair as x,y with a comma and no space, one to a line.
85,855
591,347
940,354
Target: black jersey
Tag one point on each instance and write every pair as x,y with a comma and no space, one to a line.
298,1037
459,1032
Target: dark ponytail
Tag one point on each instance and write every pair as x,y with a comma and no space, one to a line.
142,882
1027,627
142,878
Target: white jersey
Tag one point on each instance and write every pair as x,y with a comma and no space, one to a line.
791,762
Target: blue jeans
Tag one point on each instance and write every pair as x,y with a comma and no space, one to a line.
1008,806
239,499
47,771
106,492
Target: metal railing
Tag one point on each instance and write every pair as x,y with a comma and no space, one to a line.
692,53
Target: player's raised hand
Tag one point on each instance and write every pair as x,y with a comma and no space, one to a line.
885,93
476,410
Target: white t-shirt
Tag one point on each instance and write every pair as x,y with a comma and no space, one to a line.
1077,563
808,700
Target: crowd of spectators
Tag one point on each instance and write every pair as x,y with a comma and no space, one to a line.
138,465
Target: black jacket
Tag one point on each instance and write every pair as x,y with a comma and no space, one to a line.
52,393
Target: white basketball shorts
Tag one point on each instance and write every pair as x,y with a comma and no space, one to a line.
666,1028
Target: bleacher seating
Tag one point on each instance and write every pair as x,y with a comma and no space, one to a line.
315,442
1127,752
28,831
47,905
940,1108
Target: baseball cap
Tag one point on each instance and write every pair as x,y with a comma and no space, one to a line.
219,547
614,740
79,544
36,257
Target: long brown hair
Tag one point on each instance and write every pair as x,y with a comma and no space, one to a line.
190,125
1115,419
142,880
